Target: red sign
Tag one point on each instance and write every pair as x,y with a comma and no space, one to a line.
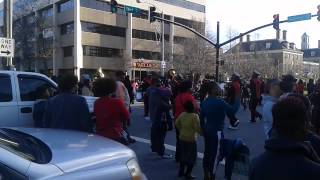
148,65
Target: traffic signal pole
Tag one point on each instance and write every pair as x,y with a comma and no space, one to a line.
218,51
218,45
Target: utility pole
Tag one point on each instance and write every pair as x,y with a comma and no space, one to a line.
162,47
217,51
8,25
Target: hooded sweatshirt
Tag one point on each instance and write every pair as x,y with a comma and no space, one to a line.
268,102
285,159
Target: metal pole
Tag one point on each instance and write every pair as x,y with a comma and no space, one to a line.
162,48
8,25
217,52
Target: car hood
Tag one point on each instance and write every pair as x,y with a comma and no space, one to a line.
72,150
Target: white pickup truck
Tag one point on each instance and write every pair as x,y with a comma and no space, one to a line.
18,94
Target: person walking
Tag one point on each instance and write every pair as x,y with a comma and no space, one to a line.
212,115
287,155
255,89
68,110
310,86
300,87
183,96
233,98
87,88
315,101
188,124
121,90
122,93
128,84
111,113
144,87
158,107
272,95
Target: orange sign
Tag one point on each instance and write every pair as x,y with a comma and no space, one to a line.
146,65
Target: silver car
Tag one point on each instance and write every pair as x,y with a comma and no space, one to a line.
30,153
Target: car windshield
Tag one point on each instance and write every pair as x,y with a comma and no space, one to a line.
25,146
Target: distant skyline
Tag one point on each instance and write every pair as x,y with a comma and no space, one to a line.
243,15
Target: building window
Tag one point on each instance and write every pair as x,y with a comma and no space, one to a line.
313,54
146,55
46,13
186,4
101,5
67,5
268,45
47,33
142,15
101,51
68,51
252,47
67,28
103,29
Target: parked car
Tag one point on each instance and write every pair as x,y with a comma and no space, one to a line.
18,93
30,153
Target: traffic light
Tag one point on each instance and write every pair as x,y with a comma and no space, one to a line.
318,13
152,14
276,21
114,6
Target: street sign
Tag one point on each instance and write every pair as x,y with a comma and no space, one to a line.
163,64
130,9
300,17
6,47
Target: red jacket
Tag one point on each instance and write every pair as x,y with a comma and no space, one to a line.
180,100
110,113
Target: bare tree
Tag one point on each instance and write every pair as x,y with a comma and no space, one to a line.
32,34
231,33
198,55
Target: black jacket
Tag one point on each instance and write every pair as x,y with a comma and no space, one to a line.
286,160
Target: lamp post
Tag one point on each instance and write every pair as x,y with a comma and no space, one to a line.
163,64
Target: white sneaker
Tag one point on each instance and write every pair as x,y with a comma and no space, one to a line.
235,126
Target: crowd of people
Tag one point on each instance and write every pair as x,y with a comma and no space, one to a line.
290,115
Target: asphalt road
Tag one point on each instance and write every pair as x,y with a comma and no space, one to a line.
160,169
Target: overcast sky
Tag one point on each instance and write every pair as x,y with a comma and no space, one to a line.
244,15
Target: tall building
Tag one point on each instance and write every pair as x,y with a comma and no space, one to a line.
81,36
304,41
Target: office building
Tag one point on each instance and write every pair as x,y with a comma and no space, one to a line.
81,36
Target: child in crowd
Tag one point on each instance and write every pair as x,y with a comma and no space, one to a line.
188,124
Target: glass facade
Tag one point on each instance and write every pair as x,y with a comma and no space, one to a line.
186,4
103,29
148,55
101,51
46,13
68,51
148,35
67,5
67,28
100,5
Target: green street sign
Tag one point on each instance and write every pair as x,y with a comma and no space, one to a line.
130,9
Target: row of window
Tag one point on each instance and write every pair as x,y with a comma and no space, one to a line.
100,5
147,35
67,28
65,6
179,40
186,4
146,55
103,29
101,51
